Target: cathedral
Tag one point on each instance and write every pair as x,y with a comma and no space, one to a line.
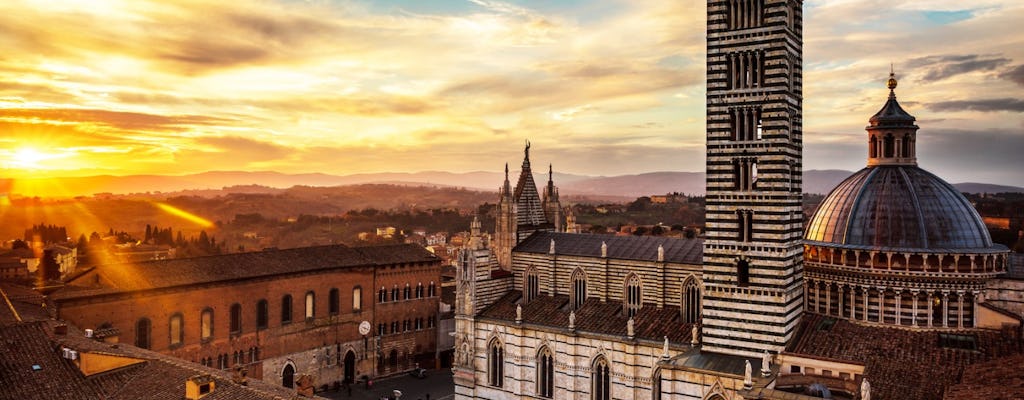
886,292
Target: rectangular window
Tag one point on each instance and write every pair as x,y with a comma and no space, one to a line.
357,299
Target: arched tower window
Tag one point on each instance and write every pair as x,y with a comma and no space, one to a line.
531,284
579,288
632,294
873,147
545,373
905,149
691,301
601,380
495,363
888,146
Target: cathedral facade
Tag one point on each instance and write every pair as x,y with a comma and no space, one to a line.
880,295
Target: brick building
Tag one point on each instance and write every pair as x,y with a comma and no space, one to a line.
278,313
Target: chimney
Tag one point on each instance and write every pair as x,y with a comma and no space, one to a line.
88,333
238,375
198,386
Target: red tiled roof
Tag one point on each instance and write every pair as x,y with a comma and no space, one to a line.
190,271
902,364
157,377
997,379
595,316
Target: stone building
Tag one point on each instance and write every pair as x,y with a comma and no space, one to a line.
759,307
277,313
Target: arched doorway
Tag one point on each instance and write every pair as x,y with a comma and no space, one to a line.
350,367
288,376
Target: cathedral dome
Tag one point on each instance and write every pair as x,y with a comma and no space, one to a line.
897,206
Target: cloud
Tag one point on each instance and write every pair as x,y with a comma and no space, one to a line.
946,66
1015,74
983,105
115,119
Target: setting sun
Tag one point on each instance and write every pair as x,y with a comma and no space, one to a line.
28,158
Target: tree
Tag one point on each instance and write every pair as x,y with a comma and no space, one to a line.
19,244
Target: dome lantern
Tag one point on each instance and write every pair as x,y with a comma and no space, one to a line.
892,134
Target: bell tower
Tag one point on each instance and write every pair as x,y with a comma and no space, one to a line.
752,267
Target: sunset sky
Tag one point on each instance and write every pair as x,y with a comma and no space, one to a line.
600,87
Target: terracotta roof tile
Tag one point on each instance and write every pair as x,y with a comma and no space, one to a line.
902,364
191,271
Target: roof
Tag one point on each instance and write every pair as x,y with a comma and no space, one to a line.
642,248
157,376
898,207
20,303
996,379
190,271
903,364
594,316
892,116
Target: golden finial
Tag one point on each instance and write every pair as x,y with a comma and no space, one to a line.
892,77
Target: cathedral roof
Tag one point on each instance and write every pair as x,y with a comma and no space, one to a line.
898,206
641,248
594,316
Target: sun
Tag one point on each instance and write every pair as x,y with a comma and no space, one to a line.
28,158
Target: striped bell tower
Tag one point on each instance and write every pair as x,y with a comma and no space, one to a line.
753,270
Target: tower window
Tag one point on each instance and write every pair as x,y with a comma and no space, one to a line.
745,221
745,123
206,324
744,14
236,319
742,273
745,70
745,174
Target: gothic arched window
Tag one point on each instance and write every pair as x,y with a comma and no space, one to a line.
600,380
691,301
333,302
286,309
545,373
177,331
236,319
495,363
656,385
742,273
633,295
579,288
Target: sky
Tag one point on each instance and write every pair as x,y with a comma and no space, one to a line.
599,87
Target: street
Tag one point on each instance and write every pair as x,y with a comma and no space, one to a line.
438,384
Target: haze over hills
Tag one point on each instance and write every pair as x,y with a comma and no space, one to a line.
213,183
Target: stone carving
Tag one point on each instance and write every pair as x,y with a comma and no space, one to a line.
693,335
865,389
661,253
748,375
552,249
604,249
572,320
629,327
468,304
519,313
766,363
664,349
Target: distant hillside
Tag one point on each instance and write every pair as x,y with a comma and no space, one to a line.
622,187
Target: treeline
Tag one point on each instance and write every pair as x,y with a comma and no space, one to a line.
47,234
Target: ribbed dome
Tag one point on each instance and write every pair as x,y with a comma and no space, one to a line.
897,206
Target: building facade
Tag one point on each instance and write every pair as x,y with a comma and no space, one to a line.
277,313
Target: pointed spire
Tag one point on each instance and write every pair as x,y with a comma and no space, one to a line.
506,188
551,173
